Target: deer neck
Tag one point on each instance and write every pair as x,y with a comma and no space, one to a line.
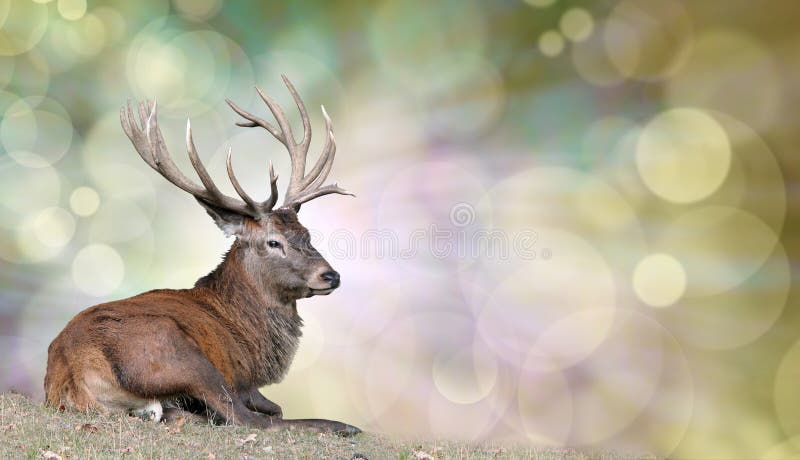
236,282
267,324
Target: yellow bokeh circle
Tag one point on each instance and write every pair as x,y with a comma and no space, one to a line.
97,270
659,280
84,201
72,9
576,24
683,155
39,237
551,43
54,227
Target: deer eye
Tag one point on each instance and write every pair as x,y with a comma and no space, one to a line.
273,244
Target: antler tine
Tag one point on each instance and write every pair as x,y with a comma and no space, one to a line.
255,121
303,115
297,157
144,112
320,171
239,190
273,192
316,193
205,178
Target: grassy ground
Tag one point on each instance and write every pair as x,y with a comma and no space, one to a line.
29,430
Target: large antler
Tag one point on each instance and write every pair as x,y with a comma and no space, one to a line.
302,187
149,143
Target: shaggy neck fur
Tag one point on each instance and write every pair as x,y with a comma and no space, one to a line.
266,319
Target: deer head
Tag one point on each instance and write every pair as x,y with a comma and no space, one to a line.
275,248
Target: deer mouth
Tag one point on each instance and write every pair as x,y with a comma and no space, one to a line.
325,291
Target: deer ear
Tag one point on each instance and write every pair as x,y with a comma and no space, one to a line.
229,222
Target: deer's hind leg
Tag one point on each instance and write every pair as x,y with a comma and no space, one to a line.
84,381
92,387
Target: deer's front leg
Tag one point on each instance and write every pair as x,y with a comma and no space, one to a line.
318,425
255,401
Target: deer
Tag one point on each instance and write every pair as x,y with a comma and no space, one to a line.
206,351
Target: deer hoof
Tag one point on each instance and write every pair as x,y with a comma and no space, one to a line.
151,412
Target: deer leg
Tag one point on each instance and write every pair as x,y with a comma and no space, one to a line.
255,401
206,384
317,425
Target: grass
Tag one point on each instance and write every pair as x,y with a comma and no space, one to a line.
30,430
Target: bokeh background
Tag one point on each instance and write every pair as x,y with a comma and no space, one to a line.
650,148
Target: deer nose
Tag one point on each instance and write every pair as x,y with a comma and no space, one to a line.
331,277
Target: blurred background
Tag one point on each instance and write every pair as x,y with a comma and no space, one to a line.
576,222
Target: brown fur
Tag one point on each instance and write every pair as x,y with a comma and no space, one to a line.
211,346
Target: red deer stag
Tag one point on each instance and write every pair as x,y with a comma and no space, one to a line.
207,350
